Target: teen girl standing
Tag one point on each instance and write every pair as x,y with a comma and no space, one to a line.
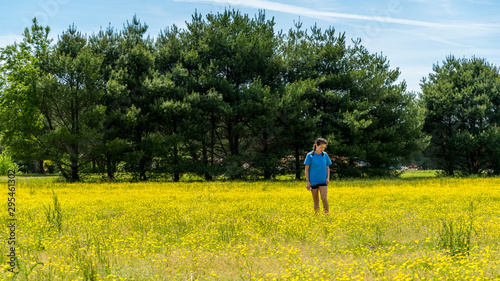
318,173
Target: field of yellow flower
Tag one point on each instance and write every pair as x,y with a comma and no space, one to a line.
401,229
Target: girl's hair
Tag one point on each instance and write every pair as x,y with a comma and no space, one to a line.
319,141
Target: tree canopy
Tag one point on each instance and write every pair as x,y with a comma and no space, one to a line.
462,102
226,96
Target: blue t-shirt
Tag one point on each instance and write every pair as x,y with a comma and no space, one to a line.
317,167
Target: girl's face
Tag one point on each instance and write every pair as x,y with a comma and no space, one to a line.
320,148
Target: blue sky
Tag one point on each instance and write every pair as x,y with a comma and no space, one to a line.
413,34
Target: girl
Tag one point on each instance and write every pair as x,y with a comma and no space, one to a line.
318,173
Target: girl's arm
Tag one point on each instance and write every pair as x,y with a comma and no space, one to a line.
327,174
308,185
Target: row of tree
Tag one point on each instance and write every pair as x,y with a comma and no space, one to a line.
226,96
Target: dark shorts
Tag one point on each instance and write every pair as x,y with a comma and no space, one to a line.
318,185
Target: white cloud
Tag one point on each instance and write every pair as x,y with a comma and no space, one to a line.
302,11
297,10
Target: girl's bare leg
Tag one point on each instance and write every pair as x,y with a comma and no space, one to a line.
315,195
324,192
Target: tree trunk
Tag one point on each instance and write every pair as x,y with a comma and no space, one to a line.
208,177
74,171
267,166
177,175
297,164
41,170
110,170
63,171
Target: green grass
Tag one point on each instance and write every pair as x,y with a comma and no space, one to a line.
419,174
32,178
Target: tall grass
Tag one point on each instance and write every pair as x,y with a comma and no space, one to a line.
53,213
456,234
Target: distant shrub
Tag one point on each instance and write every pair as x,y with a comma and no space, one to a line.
6,164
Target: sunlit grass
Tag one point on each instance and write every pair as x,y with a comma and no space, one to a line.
32,178
376,229
420,174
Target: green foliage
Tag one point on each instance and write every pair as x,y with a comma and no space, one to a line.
7,164
355,103
461,99
225,97
49,165
20,120
50,104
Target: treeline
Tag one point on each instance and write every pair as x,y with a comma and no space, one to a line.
226,96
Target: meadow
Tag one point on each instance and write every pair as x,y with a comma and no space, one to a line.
395,229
